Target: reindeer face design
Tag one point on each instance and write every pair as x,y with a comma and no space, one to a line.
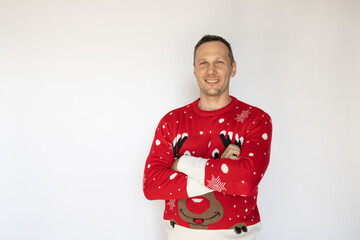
200,211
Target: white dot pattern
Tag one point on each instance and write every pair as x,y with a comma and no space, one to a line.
224,168
207,140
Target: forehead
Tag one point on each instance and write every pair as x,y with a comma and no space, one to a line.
212,49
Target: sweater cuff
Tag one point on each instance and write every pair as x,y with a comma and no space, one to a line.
193,188
194,167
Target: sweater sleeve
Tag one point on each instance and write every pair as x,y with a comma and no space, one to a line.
239,177
160,181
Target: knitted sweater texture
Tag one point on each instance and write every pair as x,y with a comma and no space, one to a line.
209,192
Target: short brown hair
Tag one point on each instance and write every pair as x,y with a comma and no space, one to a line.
212,38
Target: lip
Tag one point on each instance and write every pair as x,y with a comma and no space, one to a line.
212,80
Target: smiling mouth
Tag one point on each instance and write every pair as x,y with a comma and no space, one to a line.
199,221
212,80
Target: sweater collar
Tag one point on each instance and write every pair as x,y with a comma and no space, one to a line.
222,110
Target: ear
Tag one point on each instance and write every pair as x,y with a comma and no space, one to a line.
233,69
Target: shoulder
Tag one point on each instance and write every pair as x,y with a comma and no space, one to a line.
177,113
249,111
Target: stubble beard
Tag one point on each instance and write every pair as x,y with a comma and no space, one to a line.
214,92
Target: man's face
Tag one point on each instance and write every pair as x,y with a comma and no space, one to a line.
212,69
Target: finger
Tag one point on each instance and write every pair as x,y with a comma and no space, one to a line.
232,151
232,154
233,148
233,157
235,152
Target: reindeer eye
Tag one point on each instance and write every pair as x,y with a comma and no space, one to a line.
215,153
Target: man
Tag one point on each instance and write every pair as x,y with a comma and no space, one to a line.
208,157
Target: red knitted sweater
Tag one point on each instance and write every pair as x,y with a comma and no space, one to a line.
209,192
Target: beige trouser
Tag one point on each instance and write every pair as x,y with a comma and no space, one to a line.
182,233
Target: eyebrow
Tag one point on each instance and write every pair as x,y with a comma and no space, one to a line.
204,59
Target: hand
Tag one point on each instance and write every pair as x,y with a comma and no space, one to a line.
174,165
232,151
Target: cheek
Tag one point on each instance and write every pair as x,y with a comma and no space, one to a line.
199,74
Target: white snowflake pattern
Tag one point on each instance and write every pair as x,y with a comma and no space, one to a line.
241,117
216,184
171,204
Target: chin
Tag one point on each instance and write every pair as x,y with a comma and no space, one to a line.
212,93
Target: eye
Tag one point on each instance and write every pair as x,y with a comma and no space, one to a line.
202,63
220,62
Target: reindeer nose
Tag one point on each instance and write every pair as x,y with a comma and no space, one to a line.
197,205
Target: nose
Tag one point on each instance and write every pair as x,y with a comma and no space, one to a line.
211,70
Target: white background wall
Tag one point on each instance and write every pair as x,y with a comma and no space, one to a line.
83,85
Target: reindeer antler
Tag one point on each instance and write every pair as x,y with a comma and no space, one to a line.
178,143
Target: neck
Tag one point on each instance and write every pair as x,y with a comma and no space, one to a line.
210,103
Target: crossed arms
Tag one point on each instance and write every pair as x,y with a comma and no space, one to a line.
238,171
